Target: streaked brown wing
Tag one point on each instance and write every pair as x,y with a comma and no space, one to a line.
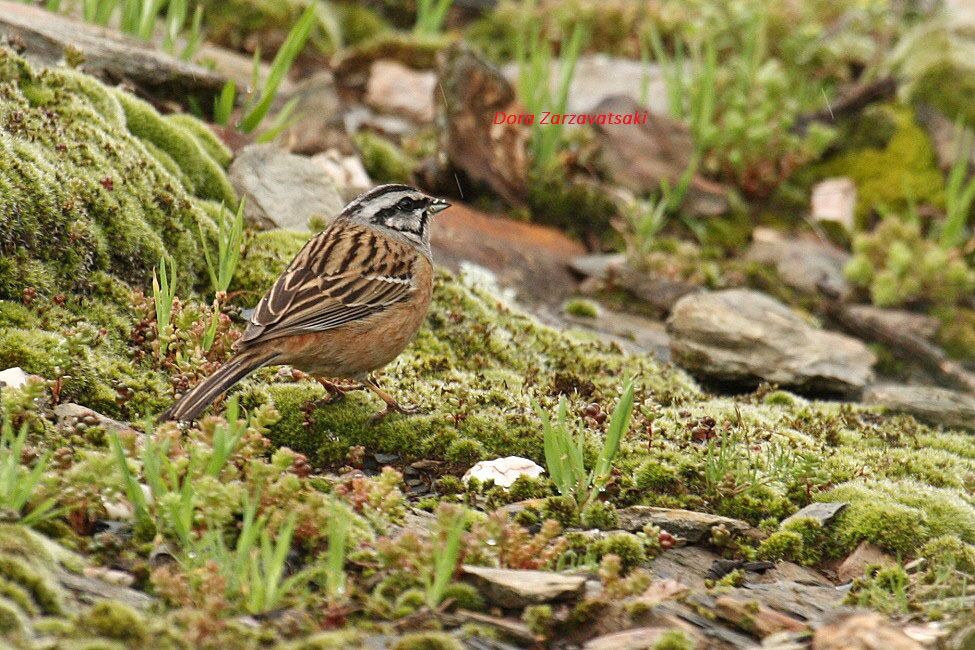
341,275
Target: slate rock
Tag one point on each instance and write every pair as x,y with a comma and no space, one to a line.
13,377
395,88
856,562
862,631
950,408
281,189
514,589
824,512
692,526
802,264
835,199
745,337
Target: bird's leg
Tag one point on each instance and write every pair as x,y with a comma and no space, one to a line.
392,406
336,392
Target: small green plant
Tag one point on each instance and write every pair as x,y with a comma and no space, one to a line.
171,484
564,453
534,57
230,236
445,556
17,483
255,113
163,294
959,192
430,16
139,17
254,569
338,533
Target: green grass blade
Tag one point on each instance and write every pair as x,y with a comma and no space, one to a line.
619,422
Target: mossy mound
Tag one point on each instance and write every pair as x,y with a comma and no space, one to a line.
889,176
82,194
87,209
249,24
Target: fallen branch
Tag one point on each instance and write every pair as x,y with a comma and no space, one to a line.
855,101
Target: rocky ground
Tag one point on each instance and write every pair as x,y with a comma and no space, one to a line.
798,469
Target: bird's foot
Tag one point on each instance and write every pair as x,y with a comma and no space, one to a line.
335,392
395,407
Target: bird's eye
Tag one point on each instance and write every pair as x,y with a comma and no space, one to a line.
405,204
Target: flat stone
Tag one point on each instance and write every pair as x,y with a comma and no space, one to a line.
599,75
281,189
835,199
503,471
638,638
950,408
863,556
803,264
395,88
862,631
822,511
744,337
633,332
756,618
13,377
692,526
601,266
69,414
514,589
898,320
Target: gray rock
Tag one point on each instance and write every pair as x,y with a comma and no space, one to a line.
397,89
598,76
863,556
930,404
692,526
638,638
803,264
897,320
318,120
745,337
631,331
513,589
601,266
823,512
282,190
641,156
70,414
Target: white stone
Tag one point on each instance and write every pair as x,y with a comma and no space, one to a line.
835,199
347,172
13,377
503,471
399,90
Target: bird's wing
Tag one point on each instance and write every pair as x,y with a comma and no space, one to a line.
340,276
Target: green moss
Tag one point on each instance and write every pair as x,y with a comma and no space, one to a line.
899,265
13,622
360,24
599,514
464,596
204,136
383,160
538,618
578,207
674,640
627,546
240,24
78,194
890,177
337,640
427,641
203,171
781,545
900,515
582,308
114,620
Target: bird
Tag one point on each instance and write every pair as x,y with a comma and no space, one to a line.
348,303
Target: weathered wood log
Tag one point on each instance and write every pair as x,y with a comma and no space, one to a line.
852,103
43,37
902,343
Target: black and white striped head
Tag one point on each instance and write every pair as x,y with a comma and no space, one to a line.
400,211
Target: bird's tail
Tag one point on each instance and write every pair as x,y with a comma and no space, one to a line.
190,406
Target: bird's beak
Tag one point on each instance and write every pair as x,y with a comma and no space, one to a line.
438,205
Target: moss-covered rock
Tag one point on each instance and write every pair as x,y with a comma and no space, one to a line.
891,176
